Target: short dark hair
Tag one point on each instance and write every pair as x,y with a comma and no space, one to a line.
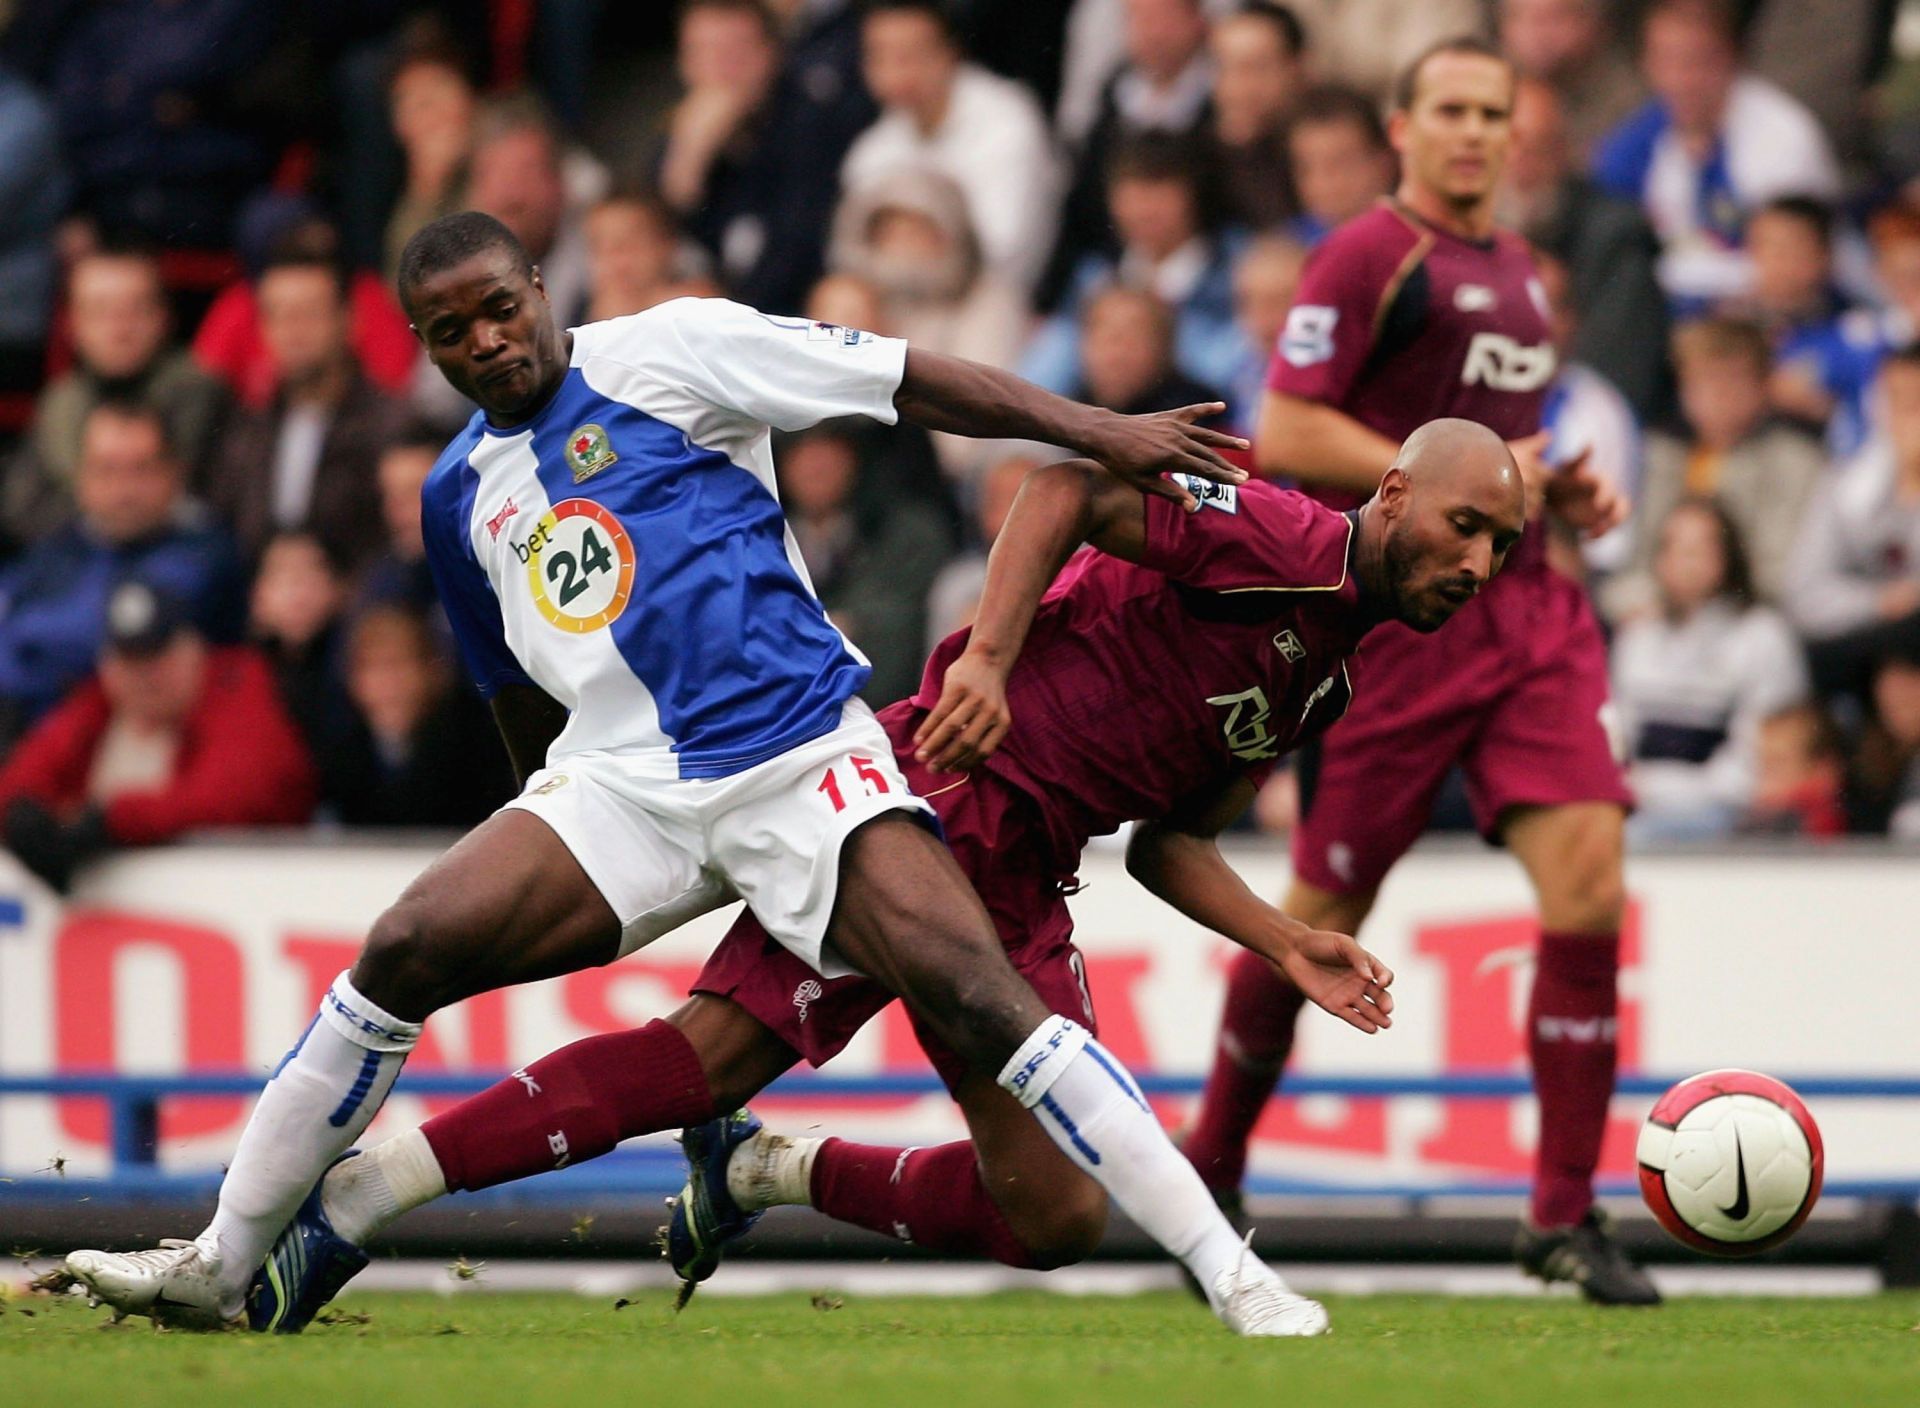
452,240
1406,87
1333,104
1720,16
1283,21
935,10
1810,211
1157,156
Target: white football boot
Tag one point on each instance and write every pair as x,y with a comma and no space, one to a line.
1251,1299
176,1284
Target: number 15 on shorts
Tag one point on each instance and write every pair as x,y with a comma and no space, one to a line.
865,775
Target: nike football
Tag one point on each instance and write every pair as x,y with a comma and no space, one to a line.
1730,1162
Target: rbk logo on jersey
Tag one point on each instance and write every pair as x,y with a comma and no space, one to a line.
1475,298
1288,644
499,520
1246,728
1497,361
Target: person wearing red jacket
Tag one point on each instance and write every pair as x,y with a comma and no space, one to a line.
169,736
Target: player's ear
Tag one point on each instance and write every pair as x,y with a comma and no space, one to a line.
1392,492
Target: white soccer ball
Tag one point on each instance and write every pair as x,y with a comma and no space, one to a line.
1730,1162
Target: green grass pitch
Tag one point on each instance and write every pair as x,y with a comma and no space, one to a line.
530,1351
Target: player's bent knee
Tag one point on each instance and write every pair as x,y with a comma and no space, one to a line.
1586,891
405,966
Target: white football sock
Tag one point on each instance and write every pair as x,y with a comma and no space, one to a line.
362,1195
773,1170
318,1102
1089,1105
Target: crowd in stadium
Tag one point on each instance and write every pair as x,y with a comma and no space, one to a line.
214,608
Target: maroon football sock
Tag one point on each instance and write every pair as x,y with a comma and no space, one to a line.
1572,1038
1256,1036
931,1197
572,1105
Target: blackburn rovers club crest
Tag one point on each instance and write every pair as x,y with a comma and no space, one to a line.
588,452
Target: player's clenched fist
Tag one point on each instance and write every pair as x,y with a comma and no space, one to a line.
970,719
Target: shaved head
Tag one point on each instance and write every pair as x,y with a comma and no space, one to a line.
1443,520
1456,454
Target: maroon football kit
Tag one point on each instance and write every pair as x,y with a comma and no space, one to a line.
1397,323
1139,686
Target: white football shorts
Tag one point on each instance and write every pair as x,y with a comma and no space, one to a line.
662,851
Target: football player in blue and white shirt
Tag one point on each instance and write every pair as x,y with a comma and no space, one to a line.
611,553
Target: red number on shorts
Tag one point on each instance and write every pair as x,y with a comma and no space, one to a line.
875,779
831,786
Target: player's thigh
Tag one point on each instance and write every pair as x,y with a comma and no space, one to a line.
1058,1213
1573,852
506,902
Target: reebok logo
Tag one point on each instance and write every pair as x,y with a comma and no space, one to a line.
532,1085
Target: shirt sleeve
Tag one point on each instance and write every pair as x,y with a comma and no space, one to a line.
1246,537
788,373
1330,328
473,611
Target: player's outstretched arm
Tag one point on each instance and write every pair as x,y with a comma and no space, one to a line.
1178,858
970,398
1059,507
529,719
1319,445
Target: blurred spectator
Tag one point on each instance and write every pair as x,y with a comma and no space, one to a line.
1264,279
1365,44
33,196
1341,160
1166,248
230,343
118,314
1853,586
987,133
1890,761
871,553
306,460
520,175
1762,471
1790,242
955,595
633,255
848,301
1800,776
431,105
1126,355
172,735
911,237
1606,245
752,148
1865,335
159,107
1259,60
1713,145
1587,415
1694,682
133,520
1570,46
1164,84
418,751
296,604
1828,56
399,576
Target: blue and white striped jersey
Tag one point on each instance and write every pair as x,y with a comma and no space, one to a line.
625,549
